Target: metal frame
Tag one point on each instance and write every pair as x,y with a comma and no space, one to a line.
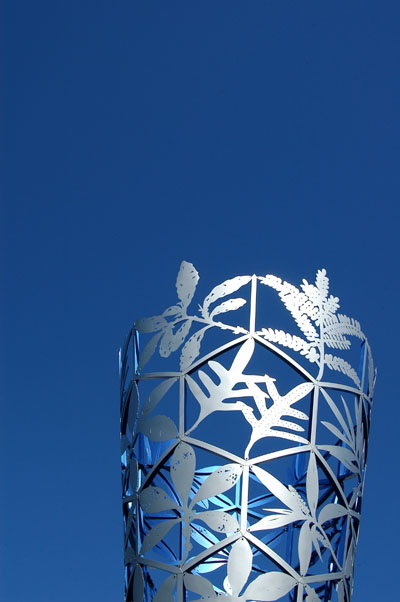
309,534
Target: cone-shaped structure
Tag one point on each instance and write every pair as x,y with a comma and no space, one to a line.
244,444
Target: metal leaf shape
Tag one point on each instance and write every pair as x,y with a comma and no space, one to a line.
219,481
153,499
275,521
239,565
186,282
156,534
138,585
331,511
129,409
145,325
337,413
219,521
322,283
155,396
172,341
312,484
224,289
165,592
191,349
229,305
270,586
183,465
346,456
334,430
158,428
276,487
305,547
198,585
148,351
242,357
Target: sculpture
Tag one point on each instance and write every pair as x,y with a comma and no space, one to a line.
243,470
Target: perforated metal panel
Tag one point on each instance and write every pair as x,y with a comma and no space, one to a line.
244,444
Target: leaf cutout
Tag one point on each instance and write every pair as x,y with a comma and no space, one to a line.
304,548
138,585
287,340
242,357
198,585
186,282
312,484
337,413
239,565
224,289
133,406
219,521
148,351
183,465
337,363
276,488
165,592
191,349
219,481
346,456
331,511
172,341
335,431
145,325
349,419
157,533
158,428
322,283
315,537
275,521
153,499
229,305
270,586
156,396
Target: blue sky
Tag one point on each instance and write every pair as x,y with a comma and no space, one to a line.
241,136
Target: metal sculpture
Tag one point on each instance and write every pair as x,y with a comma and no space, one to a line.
243,471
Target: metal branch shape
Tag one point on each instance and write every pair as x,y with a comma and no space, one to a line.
272,417
218,393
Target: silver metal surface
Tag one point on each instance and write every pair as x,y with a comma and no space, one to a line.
243,466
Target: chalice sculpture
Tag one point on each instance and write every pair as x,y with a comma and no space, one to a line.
244,445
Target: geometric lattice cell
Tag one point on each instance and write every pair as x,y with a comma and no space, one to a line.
244,444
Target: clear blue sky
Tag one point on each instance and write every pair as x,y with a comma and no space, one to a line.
244,137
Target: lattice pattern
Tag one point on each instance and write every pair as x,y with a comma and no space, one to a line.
262,503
